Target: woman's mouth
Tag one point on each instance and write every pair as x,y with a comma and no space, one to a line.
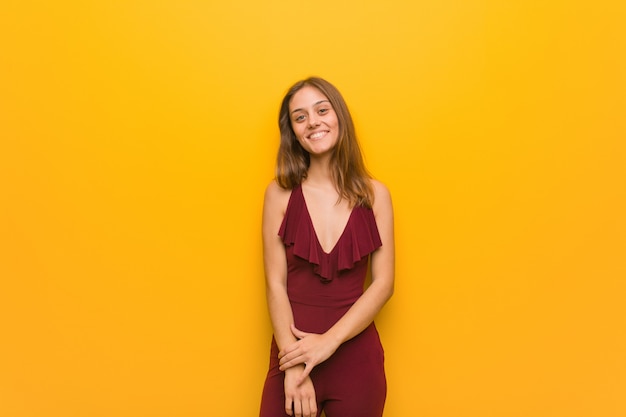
318,135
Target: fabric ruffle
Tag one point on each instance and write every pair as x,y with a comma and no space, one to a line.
359,238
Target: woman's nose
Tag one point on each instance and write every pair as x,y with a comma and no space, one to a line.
313,121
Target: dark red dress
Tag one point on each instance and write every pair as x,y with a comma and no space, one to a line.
321,288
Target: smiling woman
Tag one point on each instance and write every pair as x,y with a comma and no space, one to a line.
324,219
137,137
313,122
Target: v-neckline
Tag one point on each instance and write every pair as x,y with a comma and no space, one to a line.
319,244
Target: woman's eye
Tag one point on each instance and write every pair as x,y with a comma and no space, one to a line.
299,118
323,111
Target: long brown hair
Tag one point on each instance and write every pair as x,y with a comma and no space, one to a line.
348,171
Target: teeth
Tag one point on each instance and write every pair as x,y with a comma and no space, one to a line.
317,135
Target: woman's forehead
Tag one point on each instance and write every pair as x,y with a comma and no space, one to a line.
306,97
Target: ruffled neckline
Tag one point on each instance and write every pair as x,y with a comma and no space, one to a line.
359,238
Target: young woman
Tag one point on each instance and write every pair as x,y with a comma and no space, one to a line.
325,223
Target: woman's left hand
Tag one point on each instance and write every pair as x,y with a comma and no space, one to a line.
311,349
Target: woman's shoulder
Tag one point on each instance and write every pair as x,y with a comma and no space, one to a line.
380,189
382,196
276,196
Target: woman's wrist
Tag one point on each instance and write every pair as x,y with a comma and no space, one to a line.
334,339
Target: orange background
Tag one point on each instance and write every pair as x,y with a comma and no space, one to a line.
136,139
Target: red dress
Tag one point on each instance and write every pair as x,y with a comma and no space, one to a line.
321,288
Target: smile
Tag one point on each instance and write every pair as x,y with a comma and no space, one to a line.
318,135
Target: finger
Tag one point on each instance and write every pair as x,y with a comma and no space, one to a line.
297,406
293,358
308,367
313,406
298,333
287,358
288,349
306,408
289,406
292,363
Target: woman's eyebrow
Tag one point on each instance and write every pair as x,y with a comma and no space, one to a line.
315,104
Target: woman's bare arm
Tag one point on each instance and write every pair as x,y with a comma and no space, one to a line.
275,264
299,392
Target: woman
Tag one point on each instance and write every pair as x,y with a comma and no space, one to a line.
325,222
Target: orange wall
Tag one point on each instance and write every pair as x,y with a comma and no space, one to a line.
136,139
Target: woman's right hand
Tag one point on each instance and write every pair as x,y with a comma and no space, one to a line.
299,399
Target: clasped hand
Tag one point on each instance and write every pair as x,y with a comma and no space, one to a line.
311,349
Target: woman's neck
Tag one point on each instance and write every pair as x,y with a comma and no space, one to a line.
319,171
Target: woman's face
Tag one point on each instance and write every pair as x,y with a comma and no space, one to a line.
314,121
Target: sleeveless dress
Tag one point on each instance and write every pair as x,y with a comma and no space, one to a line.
321,288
